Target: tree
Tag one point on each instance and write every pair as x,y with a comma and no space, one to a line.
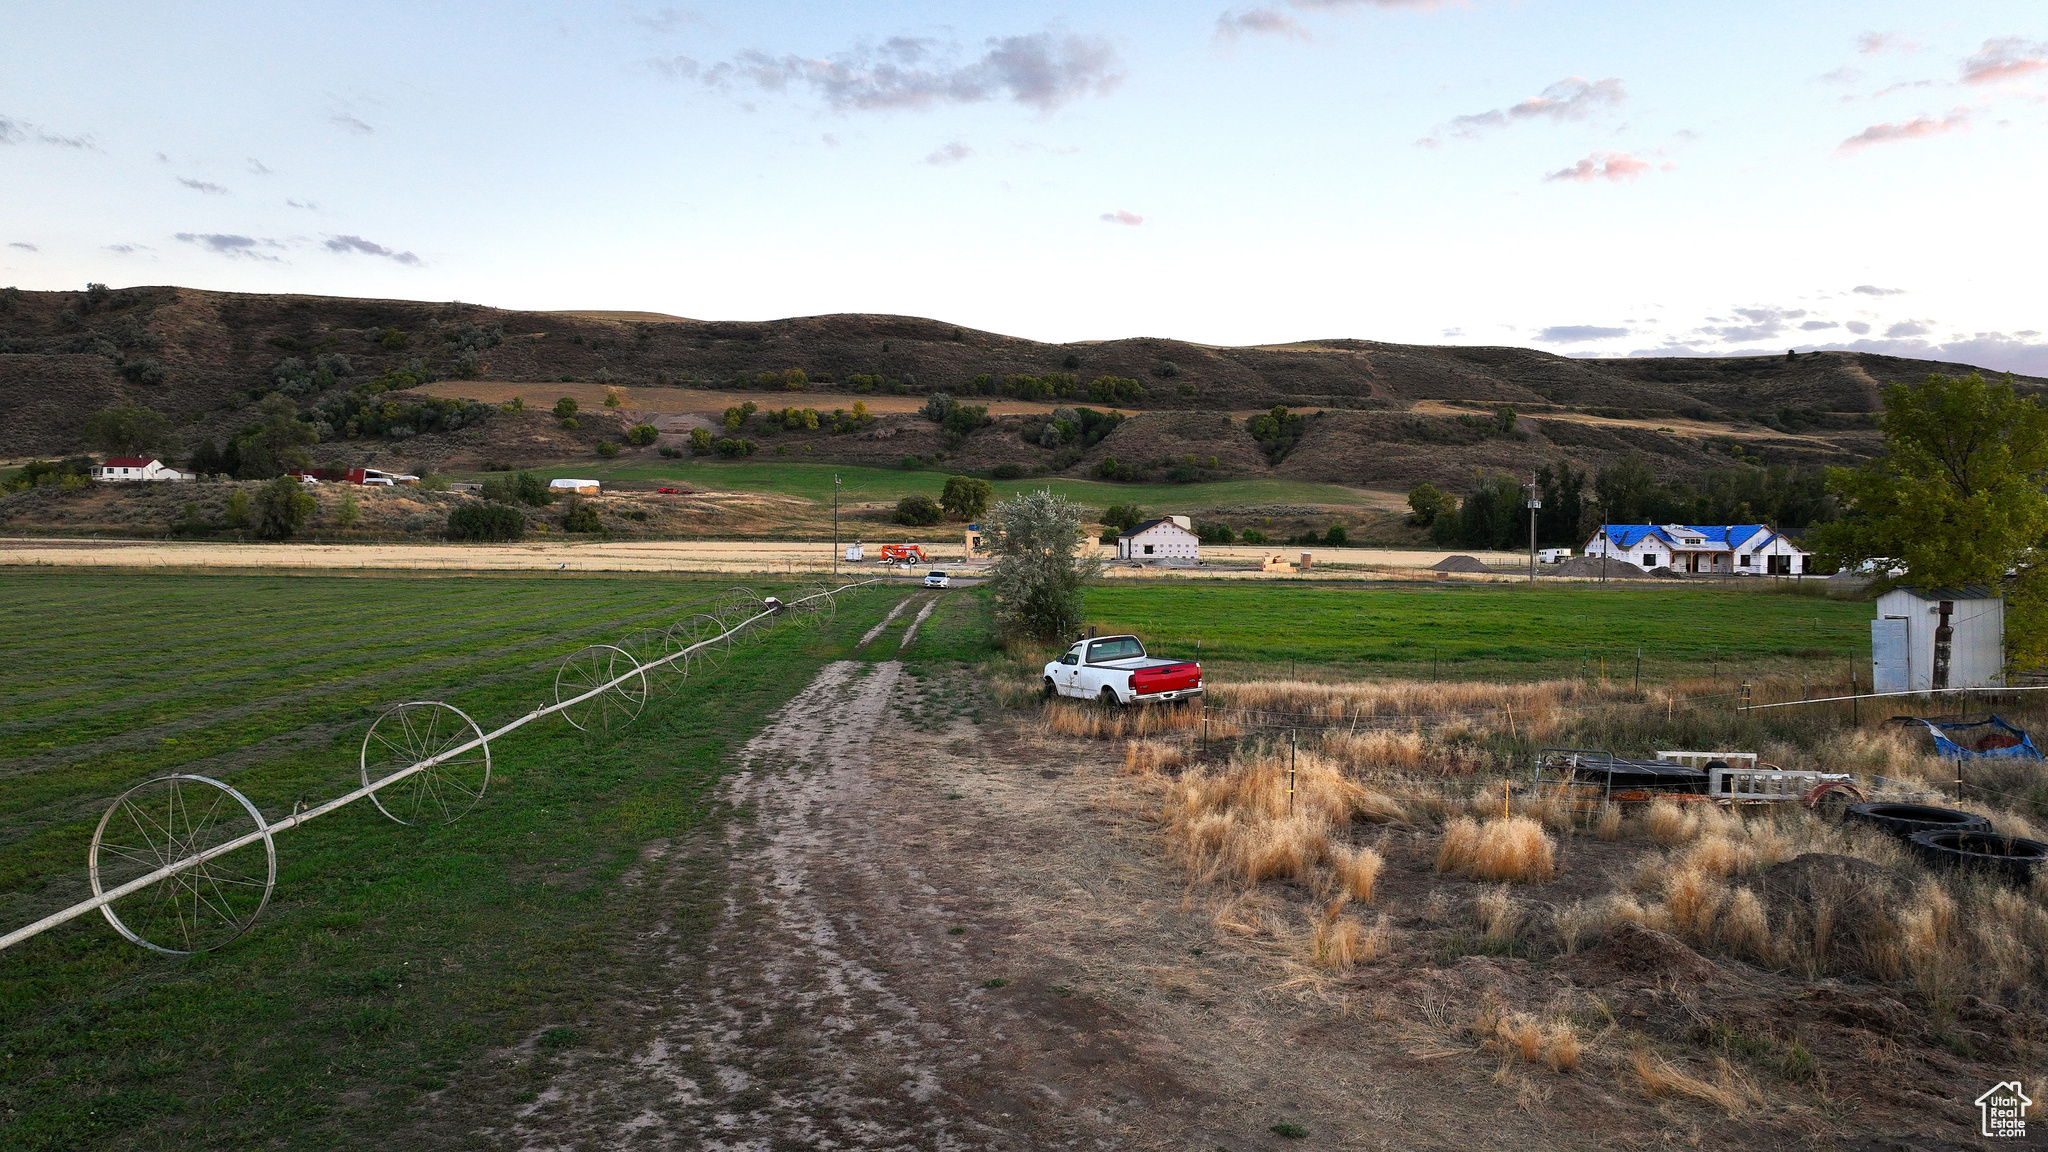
966,497
795,379
1504,421
642,435
1123,517
1562,519
1956,497
486,522
282,508
962,419
238,508
937,407
129,430
613,397
1037,580
565,408
607,449
278,444
1426,502
1337,536
918,511
1276,432
581,517
700,440
1628,491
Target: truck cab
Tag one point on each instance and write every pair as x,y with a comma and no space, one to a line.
1117,670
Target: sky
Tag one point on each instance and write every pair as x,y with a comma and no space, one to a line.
1592,178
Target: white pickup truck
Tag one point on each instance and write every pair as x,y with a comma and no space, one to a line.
1115,670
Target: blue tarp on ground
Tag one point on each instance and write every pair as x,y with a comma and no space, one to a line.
1982,739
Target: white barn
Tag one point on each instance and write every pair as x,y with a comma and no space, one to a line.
1167,538
131,469
1906,642
1724,549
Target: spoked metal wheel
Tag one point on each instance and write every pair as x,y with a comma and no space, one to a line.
587,669
652,647
812,605
421,730
691,631
171,819
736,607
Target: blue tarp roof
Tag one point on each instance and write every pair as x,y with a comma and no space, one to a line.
1729,536
1960,741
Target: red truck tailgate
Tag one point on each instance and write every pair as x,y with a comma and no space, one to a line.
1167,678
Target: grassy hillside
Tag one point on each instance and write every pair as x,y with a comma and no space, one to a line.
204,356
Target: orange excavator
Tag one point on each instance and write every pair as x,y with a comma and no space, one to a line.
903,554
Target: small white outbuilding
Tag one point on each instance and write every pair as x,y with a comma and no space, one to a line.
1167,538
577,487
1938,638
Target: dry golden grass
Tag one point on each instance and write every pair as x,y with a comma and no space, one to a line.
1609,826
1146,757
1500,914
1095,722
1255,819
1519,1037
1337,942
1356,871
1659,1078
1516,849
1561,1047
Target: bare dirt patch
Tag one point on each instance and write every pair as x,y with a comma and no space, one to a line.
967,937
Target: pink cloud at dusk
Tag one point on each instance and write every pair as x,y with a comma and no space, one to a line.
1615,166
1122,217
1919,127
2005,58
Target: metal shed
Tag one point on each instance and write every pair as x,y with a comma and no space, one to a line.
1928,639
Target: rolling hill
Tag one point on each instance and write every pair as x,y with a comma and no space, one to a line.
1391,414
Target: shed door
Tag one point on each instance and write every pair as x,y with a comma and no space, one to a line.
1888,667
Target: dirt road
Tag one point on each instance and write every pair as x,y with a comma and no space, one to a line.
934,939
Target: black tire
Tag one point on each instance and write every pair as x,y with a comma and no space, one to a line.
1049,691
1109,698
2010,857
1903,820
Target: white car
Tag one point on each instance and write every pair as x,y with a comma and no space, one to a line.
937,580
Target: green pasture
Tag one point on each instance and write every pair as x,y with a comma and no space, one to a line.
392,959
1507,631
861,483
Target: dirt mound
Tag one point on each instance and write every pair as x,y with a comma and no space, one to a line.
1593,566
1460,563
1633,951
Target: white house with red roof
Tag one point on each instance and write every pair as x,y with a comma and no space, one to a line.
138,468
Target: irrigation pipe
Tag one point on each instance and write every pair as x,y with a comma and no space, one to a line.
266,830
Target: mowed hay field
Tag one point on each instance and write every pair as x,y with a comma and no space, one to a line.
391,957
1492,631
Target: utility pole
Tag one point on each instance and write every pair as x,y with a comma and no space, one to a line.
835,526
1535,502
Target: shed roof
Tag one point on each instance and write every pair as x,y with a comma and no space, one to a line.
1964,592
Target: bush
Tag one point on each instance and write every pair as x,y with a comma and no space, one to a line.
581,518
1115,389
565,408
486,523
1336,537
937,407
347,514
674,453
962,419
700,440
525,488
607,449
238,508
1036,585
730,447
1215,533
1254,536
911,463
570,423
282,508
966,497
1009,471
641,435
918,511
